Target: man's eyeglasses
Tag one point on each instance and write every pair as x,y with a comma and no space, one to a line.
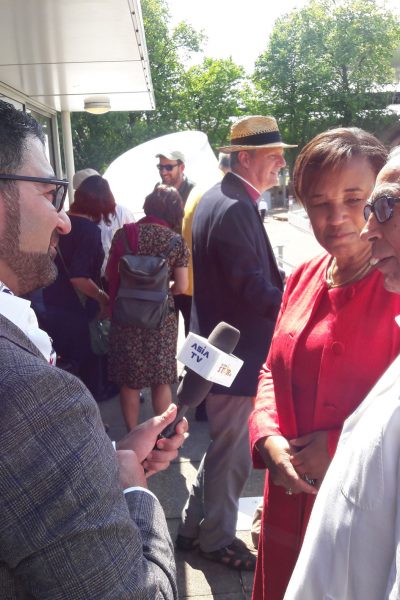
167,167
59,193
382,207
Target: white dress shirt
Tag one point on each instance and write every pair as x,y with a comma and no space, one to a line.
19,311
351,549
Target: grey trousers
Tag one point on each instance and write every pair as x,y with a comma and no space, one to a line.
210,513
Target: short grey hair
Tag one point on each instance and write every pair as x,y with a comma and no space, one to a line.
224,160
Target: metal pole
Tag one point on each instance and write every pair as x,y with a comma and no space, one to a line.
68,151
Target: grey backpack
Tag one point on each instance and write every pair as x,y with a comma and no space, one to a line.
142,297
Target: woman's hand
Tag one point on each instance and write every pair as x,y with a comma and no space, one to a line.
104,302
88,287
277,453
311,456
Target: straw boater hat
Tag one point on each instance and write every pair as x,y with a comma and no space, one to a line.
251,133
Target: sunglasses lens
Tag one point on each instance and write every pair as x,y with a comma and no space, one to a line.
166,167
382,209
367,211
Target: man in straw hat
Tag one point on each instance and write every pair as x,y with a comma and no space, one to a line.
236,280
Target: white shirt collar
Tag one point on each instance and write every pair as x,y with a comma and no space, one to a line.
19,311
248,182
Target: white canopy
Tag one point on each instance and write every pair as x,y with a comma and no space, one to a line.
59,52
133,175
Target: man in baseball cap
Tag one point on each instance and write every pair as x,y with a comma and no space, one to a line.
171,165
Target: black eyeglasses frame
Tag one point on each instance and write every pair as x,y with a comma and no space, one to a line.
57,202
370,207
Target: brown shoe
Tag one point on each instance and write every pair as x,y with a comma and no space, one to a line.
235,556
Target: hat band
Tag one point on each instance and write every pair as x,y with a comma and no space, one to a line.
258,139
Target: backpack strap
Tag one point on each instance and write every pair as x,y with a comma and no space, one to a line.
170,247
125,241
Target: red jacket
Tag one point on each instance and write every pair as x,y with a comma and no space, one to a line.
362,342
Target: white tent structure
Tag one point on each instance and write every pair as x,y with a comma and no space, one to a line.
73,55
134,174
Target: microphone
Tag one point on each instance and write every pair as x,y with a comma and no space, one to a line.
193,388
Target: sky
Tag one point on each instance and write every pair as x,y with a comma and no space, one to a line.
237,29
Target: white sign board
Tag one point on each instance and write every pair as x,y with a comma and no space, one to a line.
208,361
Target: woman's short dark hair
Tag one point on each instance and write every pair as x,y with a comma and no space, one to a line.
95,199
330,150
165,203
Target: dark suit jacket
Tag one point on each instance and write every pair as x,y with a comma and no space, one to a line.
236,278
66,529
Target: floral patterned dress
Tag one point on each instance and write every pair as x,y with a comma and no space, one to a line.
139,357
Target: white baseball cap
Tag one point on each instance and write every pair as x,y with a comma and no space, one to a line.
172,155
80,177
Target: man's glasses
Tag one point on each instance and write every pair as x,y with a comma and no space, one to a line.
59,193
382,207
167,167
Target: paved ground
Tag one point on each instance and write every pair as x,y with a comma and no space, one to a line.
291,237
199,579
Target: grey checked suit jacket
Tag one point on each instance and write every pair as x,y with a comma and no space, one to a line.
66,529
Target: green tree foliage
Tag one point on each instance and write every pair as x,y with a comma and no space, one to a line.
212,95
326,65
201,97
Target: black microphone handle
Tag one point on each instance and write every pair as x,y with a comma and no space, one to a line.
202,387
193,388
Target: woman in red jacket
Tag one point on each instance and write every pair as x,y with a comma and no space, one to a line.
322,361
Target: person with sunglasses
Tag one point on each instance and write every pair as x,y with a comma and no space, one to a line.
171,166
77,519
351,548
322,361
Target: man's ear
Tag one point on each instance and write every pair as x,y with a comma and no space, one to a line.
244,158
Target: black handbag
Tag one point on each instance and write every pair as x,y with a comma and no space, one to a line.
99,332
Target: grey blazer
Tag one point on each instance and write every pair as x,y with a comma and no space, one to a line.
66,529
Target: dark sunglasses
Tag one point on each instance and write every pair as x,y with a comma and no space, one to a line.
59,193
381,207
167,167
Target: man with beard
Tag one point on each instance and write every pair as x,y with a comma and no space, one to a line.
171,166
351,547
77,520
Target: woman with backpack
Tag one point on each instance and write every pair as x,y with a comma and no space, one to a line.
143,354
